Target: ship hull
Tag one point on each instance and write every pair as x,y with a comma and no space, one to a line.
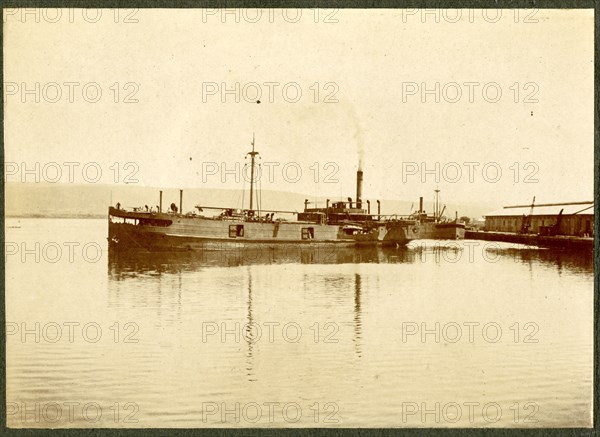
441,231
169,232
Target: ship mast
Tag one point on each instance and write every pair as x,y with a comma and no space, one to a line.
252,156
437,205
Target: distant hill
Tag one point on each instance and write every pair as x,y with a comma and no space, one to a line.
92,201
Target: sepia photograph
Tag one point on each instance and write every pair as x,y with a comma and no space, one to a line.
299,218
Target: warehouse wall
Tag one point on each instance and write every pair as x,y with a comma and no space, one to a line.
571,225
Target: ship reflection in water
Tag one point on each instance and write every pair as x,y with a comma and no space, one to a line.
129,263
243,256
328,326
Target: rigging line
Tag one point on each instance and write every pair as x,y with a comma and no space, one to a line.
236,198
260,188
243,186
255,186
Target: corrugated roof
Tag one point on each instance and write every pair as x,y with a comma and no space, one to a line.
583,208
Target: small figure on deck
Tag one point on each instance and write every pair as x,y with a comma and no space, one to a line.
146,208
118,205
174,208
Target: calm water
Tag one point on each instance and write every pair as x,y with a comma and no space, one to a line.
457,334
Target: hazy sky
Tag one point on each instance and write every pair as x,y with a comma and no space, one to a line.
372,66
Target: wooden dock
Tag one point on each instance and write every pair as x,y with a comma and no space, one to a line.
558,241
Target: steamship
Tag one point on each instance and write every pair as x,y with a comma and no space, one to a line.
340,223
435,226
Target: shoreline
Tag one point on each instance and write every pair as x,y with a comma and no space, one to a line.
56,216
